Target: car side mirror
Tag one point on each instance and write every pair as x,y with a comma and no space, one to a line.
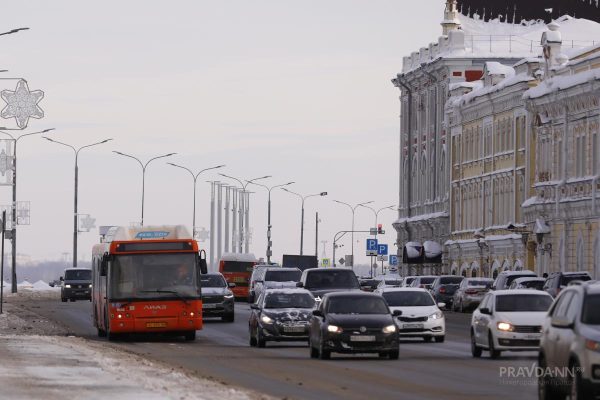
230,285
61,279
299,284
317,313
254,307
561,322
441,305
397,313
202,263
485,311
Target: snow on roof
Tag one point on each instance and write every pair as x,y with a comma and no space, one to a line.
242,257
557,83
496,68
513,80
471,85
422,217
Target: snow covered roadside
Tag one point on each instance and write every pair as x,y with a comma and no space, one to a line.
40,362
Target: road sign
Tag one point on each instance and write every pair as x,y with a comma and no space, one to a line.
373,231
349,261
393,259
371,247
382,249
342,261
382,258
325,262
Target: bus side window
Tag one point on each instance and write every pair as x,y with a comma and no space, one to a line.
103,266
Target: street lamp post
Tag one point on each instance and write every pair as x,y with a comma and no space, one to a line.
353,209
376,227
303,198
269,226
195,177
143,173
14,206
76,151
243,193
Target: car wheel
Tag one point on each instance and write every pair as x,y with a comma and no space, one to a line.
228,317
394,354
324,354
576,391
63,299
190,336
101,333
440,339
494,354
314,352
252,338
475,350
546,391
260,341
427,338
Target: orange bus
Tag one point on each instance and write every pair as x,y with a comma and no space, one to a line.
147,279
237,268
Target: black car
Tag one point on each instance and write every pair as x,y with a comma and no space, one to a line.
321,281
76,284
369,284
217,299
280,315
559,280
353,322
444,287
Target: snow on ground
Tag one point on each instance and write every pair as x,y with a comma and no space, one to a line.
41,361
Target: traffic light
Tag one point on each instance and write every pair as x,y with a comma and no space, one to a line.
380,229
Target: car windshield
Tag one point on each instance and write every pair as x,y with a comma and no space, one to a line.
289,300
511,278
533,284
154,275
482,283
408,299
393,282
522,303
331,279
357,305
590,314
451,280
78,275
283,276
212,281
570,278
427,280
237,266
408,281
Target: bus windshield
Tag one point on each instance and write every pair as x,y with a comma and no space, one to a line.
154,275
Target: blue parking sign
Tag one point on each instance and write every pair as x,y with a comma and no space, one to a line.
371,244
382,249
393,259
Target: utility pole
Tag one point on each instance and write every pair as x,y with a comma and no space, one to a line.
317,234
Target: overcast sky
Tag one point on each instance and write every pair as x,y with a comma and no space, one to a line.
299,90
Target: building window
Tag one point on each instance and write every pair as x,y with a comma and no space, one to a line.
488,140
595,154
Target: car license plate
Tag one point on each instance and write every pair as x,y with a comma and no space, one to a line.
362,338
298,328
412,326
156,324
204,305
532,337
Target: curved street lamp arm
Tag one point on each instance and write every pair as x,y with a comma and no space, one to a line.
259,184
362,204
130,156
346,204
207,169
235,179
58,142
27,134
297,194
370,208
157,157
93,144
182,167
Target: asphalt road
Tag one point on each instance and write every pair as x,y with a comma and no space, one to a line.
221,351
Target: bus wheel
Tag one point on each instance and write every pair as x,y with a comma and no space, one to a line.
190,336
101,333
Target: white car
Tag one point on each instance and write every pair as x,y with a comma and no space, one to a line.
421,316
509,320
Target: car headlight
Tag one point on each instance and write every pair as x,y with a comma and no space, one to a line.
436,315
90,286
389,329
505,326
229,296
334,329
592,345
266,319
68,286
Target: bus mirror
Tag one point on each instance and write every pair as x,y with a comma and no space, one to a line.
103,267
202,262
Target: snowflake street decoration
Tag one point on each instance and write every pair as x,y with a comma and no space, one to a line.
21,104
23,212
87,223
202,235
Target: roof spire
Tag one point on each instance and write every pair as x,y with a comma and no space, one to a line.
451,21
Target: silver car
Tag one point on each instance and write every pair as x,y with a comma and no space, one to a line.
570,345
470,292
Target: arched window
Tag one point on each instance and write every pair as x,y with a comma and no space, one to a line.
464,269
506,265
495,269
518,266
454,269
474,269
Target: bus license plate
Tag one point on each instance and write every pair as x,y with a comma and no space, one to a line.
204,305
369,338
156,324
